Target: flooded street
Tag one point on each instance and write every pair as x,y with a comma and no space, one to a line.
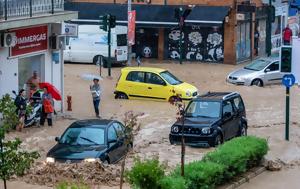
265,112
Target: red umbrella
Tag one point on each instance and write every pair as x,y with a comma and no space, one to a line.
51,89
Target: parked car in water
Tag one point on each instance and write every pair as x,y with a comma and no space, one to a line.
89,140
152,83
211,119
260,72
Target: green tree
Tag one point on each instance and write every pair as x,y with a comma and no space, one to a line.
14,161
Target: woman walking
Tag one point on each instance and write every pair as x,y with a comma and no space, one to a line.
47,108
21,104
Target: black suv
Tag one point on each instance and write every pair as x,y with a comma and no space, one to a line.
211,119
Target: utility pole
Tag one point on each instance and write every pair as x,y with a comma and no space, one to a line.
128,45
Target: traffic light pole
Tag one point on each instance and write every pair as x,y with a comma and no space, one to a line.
109,51
287,113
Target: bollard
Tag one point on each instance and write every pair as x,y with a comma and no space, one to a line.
69,101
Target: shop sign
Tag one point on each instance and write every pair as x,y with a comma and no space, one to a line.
69,29
131,27
29,40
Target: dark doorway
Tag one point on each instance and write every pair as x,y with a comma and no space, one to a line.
146,45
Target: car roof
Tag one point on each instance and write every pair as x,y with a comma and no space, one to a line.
217,95
101,123
272,59
145,69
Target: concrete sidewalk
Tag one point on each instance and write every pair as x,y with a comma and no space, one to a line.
286,178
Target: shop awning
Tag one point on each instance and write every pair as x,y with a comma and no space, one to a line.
149,15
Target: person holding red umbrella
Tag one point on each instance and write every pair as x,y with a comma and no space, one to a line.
47,107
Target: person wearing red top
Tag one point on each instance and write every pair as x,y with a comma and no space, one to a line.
287,35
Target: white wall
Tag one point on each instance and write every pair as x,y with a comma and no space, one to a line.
8,73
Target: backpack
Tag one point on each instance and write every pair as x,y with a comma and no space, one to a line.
48,108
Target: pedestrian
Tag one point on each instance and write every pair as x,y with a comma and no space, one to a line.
138,60
47,108
21,104
287,35
256,41
33,83
96,92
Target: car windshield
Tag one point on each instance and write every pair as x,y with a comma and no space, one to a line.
207,109
170,78
83,136
257,65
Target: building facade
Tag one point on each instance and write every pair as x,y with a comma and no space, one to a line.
216,31
30,42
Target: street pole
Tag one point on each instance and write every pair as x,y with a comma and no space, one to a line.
181,22
287,113
109,47
129,46
182,140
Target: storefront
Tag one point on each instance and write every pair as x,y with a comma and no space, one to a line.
281,20
200,43
30,52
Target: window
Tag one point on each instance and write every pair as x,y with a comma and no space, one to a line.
83,136
208,109
122,40
170,78
227,107
136,76
238,103
154,79
274,67
119,128
112,135
257,65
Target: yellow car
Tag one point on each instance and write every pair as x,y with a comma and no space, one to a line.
152,83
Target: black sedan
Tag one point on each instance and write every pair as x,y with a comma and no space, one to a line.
89,140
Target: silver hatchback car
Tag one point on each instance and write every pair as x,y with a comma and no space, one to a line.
260,72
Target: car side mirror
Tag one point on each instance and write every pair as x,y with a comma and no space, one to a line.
267,70
57,139
227,115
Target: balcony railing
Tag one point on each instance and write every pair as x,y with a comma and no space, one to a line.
10,9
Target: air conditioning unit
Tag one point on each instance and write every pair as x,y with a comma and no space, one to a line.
8,39
57,42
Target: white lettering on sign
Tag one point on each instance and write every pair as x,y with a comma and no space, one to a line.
32,39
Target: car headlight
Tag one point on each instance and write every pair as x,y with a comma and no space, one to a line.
50,160
175,129
90,160
206,130
188,93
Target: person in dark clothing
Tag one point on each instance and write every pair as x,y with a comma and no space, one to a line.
21,104
256,40
96,91
47,108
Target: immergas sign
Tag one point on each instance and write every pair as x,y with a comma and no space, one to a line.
29,40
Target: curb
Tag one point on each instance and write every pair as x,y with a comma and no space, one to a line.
246,177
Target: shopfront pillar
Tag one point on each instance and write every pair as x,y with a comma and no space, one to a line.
161,43
229,39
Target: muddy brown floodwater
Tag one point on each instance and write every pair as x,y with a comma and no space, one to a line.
265,113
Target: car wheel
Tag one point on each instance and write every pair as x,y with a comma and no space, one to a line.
218,140
258,82
243,130
121,96
174,99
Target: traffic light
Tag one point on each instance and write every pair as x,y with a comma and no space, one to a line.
112,21
104,22
286,59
